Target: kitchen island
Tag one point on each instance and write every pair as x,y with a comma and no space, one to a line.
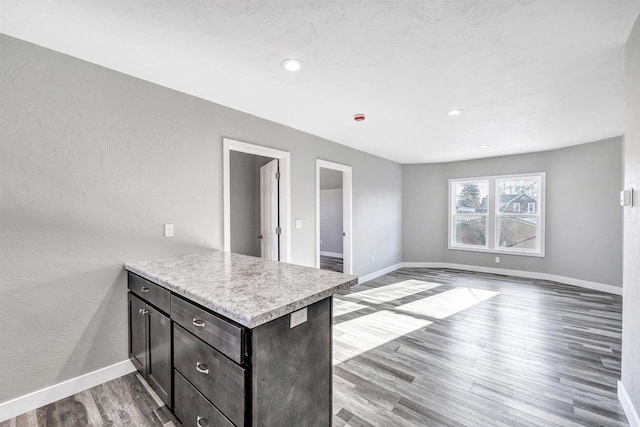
233,340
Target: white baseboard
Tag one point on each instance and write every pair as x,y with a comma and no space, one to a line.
31,401
616,290
629,410
378,273
332,254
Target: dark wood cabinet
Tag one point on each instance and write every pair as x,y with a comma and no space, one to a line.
159,364
225,374
150,345
137,334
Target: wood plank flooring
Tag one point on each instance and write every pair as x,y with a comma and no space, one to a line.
438,347
125,401
331,263
435,347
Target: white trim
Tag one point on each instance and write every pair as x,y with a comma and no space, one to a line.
331,254
627,406
229,145
47,395
347,211
492,213
616,290
379,273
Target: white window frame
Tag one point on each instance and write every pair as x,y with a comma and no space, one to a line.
493,205
529,210
453,214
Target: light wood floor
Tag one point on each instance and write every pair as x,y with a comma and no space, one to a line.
467,349
331,263
436,347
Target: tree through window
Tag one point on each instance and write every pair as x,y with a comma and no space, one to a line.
498,214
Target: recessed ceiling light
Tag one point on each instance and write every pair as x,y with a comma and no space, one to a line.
291,64
485,146
455,112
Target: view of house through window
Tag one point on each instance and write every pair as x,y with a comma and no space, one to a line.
498,214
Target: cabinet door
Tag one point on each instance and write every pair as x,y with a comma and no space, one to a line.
159,368
137,334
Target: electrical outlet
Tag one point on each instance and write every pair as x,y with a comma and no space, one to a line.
320,241
497,260
297,318
168,230
298,223
373,259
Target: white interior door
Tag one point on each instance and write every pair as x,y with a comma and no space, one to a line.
269,244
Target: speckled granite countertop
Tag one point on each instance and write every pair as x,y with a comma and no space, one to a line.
248,290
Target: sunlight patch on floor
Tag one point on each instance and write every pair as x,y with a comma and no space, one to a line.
391,292
364,333
341,307
447,303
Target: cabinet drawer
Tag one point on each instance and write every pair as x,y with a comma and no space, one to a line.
192,409
150,292
216,377
220,334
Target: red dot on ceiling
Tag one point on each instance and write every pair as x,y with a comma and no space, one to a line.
359,117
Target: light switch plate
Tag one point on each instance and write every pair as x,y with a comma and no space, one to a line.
298,317
298,223
168,230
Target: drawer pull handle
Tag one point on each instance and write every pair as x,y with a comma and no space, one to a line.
202,368
143,311
144,289
198,323
202,422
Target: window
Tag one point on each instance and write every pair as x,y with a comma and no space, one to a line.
470,213
501,214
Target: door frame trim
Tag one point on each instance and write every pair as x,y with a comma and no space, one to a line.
229,145
347,211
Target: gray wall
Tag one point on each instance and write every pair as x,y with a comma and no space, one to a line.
631,290
93,162
583,216
245,202
331,220
330,179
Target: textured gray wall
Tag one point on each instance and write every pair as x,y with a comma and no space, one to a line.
244,228
631,290
331,220
245,202
583,216
93,162
330,179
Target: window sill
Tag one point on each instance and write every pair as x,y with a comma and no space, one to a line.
498,251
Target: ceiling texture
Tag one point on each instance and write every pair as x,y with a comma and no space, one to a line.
530,75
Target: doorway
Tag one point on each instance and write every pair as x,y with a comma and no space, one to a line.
256,200
333,217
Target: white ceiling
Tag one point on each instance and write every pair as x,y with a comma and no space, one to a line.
530,74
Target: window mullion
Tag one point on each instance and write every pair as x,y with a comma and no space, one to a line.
491,216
